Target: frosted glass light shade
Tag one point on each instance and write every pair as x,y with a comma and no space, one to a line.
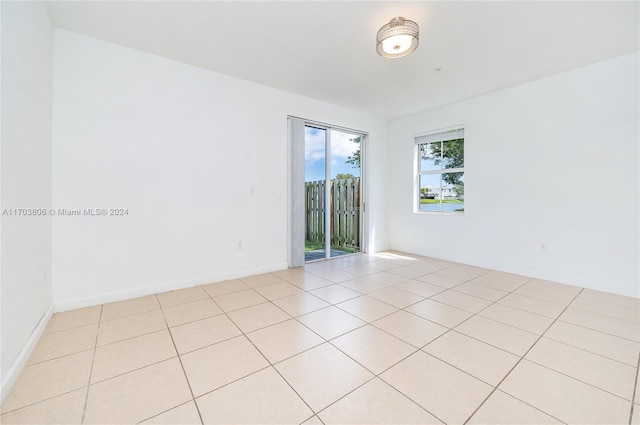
397,38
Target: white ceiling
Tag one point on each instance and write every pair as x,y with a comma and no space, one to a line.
326,50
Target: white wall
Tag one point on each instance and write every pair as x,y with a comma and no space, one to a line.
181,148
27,58
552,161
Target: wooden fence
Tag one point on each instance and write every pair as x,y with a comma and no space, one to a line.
344,206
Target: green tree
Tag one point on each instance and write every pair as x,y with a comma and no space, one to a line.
343,176
355,158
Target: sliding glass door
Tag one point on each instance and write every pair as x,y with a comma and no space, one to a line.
332,192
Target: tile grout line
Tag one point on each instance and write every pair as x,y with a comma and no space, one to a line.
634,395
520,361
184,372
93,358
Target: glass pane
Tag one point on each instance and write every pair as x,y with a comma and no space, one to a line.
430,156
345,193
453,154
430,192
453,192
345,155
314,177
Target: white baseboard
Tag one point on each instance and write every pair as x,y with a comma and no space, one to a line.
23,356
164,287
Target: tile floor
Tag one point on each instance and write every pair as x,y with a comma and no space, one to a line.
364,339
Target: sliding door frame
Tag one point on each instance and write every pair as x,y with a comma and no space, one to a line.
294,178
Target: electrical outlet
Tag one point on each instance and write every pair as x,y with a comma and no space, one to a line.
239,245
543,246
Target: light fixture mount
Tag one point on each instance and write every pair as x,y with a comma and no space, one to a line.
398,38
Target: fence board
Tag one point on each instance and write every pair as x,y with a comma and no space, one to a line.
344,208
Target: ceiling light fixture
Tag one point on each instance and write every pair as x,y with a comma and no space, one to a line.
397,38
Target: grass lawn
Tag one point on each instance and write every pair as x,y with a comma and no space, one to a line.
315,245
444,201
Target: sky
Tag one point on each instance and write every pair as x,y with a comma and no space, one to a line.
314,156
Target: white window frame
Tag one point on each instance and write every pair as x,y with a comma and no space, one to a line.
440,135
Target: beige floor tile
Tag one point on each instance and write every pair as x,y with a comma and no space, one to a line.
498,334
204,332
598,322
182,296
508,277
563,397
130,326
609,298
278,290
521,319
606,345
439,313
457,273
502,409
260,280
131,354
472,269
481,360
462,301
185,414
309,282
367,308
545,290
409,272
336,275
284,340
410,328
238,300
190,312
138,395
364,285
63,409
219,364
322,375
372,348
41,381
606,374
330,322
611,309
288,274
387,278
63,343
491,281
444,391
480,291
129,307
272,401
225,287
297,305
396,297
74,319
635,418
376,403
440,280
259,316
420,288
533,305
335,294
360,269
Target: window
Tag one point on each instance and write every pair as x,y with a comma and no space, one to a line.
440,178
